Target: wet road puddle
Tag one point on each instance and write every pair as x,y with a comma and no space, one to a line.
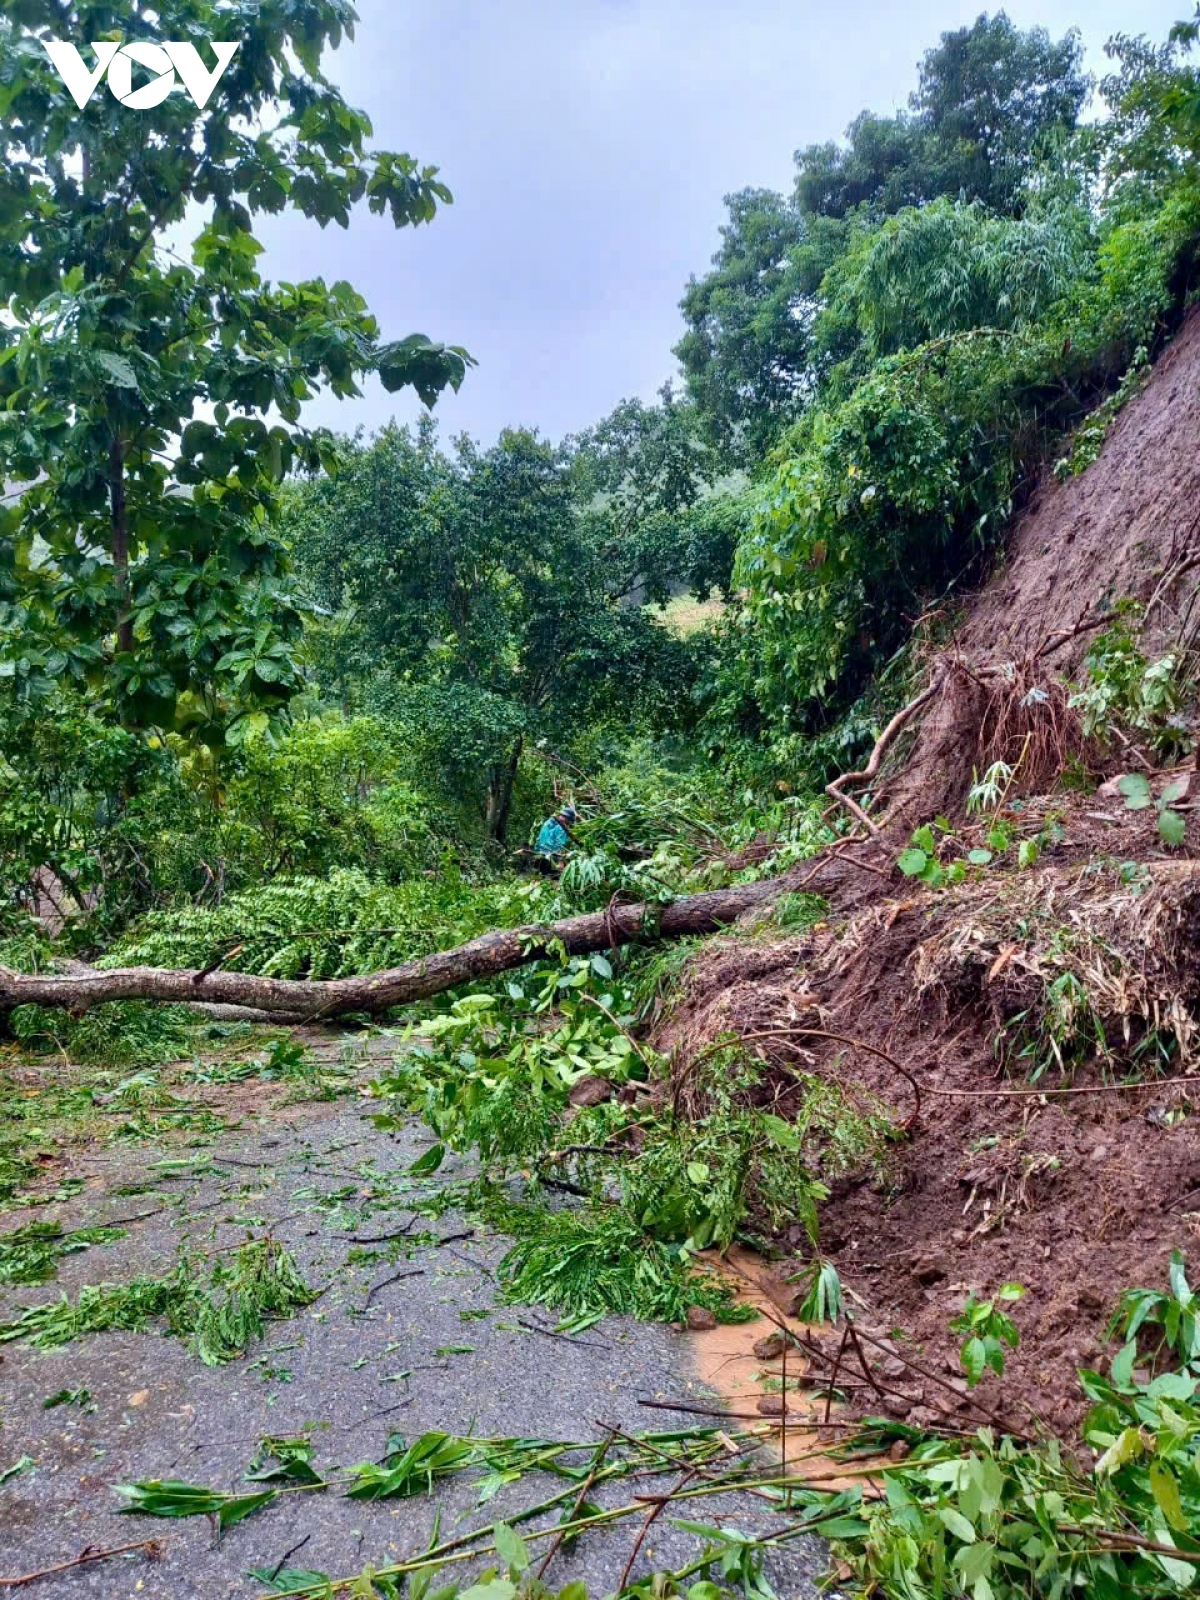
723,1358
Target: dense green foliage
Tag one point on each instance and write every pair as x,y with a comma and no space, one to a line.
991,101
874,369
290,705
152,398
472,599
948,347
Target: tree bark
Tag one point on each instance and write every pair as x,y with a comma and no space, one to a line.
500,793
120,541
481,958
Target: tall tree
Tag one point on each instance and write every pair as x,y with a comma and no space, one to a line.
475,601
746,354
991,98
991,95
644,479
150,393
882,165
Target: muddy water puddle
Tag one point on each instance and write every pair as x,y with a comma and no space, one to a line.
723,1358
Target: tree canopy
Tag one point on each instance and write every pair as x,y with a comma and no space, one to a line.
991,101
152,389
474,598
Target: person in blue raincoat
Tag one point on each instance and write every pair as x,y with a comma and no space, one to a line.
554,837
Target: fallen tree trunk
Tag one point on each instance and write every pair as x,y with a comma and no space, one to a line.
308,1000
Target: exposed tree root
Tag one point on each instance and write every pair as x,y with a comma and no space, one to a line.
903,717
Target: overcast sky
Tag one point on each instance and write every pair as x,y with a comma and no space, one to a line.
589,144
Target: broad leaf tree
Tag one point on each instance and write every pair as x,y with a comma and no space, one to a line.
151,380
992,96
645,479
467,595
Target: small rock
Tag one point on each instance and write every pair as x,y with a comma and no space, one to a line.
924,1417
892,1367
1088,1300
772,1405
1100,1153
771,1347
700,1319
898,1406
591,1091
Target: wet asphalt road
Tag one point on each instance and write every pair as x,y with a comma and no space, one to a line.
377,1353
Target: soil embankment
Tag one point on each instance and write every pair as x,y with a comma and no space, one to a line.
1046,1012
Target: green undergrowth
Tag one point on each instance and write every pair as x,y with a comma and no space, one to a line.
611,1167
220,1307
329,927
1088,439
1002,1519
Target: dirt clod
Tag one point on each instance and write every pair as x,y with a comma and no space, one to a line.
772,1405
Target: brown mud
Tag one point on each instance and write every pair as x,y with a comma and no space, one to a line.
1075,1185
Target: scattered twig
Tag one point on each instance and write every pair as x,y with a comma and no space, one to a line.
553,1333
902,718
141,1216
833,1377
1056,640
287,1555
1036,1094
590,999
152,1549
381,1238
944,1383
1132,1541
812,1423
580,1499
417,1272
838,852
652,1516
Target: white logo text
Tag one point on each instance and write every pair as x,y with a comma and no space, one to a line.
163,60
